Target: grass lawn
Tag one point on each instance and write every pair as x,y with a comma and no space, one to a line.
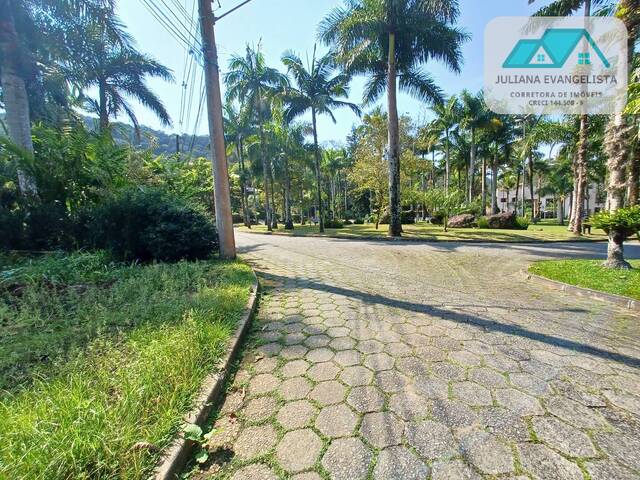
100,361
590,274
428,232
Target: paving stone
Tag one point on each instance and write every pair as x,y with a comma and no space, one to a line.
226,429
412,366
453,470
323,371
575,413
409,406
232,403
382,429
630,403
319,355
265,365
621,447
431,387
453,413
448,371
260,409
294,338
398,463
472,394
296,414
543,463
342,343
348,358
518,402
294,368
356,376
398,349
307,476
608,470
530,383
263,383
391,381
432,440
487,378
257,471
270,349
317,341
295,388
298,450
379,362
370,346
347,459
292,352
328,393
486,453
504,423
336,421
464,358
255,441
366,399
562,437
430,353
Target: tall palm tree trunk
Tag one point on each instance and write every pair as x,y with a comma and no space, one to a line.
14,90
484,186
494,186
288,220
243,186
395,222
266,175
580,176
316,152
531,191
447,166
634,177
472,164
618,144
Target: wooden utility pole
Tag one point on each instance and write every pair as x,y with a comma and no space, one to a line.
222,192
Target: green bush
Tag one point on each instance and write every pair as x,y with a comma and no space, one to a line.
624,220
147,225
347,222
333,224
522,223
483,222
237,218
358,221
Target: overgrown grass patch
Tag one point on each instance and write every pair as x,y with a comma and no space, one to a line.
591,274
99,361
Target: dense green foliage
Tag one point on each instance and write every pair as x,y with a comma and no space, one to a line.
151,225
591,274
99,356
626,220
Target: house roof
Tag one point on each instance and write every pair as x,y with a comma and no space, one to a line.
559,43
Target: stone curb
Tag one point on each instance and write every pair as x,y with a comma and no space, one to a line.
426,240
624,302
177,454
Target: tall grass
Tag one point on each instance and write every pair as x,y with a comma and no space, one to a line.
117,363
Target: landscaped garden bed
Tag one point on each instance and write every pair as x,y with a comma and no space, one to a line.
99,361
591,274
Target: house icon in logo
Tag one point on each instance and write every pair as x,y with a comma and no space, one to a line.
554,49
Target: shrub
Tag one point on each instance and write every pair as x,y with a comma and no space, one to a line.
522,223
347,222
624,220
237,218
358,221
151,225
437,219
333,224
483,222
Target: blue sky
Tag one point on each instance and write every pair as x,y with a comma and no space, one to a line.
292,24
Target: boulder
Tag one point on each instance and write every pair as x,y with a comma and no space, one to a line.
507,221
466,220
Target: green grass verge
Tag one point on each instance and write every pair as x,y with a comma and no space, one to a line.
590,274
99,362
542,232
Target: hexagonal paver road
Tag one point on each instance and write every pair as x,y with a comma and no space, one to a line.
414,361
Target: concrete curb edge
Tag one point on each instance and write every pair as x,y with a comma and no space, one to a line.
176,455
619,300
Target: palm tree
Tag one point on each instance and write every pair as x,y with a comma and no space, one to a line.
251,81
447,117
238,128
474,116
317,91
389,40
24,41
